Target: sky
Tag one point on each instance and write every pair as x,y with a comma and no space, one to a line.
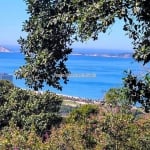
13,14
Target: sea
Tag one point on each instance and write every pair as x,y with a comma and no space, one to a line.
91,76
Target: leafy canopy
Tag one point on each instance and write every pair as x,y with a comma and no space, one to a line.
46,46
54,25
138,89
92,17
26,108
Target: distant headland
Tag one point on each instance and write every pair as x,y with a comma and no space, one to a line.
3,49
119,55
82,52
103,53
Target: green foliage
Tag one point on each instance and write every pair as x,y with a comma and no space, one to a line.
26,108
116,96
138,90
89,18
54,25
124,133
79,130
17,139
103,130
46,47
112,131
93,17
68,136
5,87
82,113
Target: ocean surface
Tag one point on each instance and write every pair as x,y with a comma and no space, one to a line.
91,77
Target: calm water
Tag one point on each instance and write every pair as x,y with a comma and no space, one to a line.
101,73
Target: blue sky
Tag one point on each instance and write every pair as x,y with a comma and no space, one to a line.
13,14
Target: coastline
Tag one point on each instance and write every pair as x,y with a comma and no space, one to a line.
109,73
107,55
77,99
4,50
80,100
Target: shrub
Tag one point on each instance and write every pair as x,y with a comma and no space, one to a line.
111,131
25,107
5,87
116,96
82,113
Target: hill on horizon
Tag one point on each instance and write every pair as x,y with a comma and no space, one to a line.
3,49
79,51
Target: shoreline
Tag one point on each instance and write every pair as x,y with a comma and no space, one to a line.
105,55
81,100
76,98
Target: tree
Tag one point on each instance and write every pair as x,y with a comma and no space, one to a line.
104,129
82,113
5,88
46,47
125,132
138,90
116,96
54,25
93,17
26,108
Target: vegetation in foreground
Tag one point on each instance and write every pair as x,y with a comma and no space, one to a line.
30,123
26,108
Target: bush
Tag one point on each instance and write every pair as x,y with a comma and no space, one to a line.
116,96
5,87
111,131
138,89
82,113
26,108
14,138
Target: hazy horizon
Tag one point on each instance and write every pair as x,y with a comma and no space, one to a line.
16,48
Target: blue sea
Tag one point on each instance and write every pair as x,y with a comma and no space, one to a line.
91,78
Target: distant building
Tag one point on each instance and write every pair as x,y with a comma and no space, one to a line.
5,76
